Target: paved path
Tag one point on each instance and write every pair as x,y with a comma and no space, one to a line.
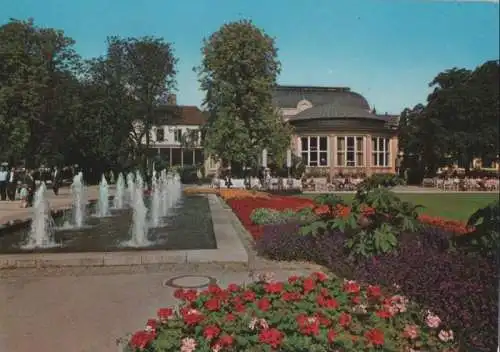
10,211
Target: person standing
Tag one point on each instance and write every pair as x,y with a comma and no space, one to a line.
3,182
56,180
12,184
31,185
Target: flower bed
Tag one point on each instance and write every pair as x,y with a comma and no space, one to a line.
243,206
227,194
462,290
312,313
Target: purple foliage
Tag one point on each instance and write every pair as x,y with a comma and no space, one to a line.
462,289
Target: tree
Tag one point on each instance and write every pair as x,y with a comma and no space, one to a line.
460,120
38,66
238,73
145,67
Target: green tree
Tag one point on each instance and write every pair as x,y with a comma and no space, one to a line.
238,74
38,66
146,68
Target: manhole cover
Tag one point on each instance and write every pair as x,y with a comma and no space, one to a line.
190,281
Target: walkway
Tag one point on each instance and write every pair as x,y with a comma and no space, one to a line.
10,211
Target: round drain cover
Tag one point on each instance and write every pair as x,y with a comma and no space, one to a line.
190,281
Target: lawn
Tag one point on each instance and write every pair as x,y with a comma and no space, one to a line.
456,206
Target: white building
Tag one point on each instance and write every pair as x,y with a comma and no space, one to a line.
177,124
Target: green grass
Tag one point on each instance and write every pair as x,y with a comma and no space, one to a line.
457,206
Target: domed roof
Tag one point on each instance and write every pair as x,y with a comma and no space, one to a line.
290,96
333,111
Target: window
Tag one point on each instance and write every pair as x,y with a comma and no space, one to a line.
178,135
314,150
350,151
380,151
160,134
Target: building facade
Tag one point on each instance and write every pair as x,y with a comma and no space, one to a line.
336,132
176,125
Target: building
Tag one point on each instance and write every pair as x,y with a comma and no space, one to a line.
176,123
336,132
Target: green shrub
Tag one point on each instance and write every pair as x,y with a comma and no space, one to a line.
485,237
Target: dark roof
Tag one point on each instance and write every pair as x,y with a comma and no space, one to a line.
335,110
180,115
289,96
392,120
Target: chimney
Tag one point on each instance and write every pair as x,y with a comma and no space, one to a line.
172,99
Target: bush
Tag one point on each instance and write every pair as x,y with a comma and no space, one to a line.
462,290
264,216
188,174
314,313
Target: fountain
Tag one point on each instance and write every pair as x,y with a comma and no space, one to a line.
164,195
42,225
139,181
78,200
139,230
155,203
130,188
119,200
103,204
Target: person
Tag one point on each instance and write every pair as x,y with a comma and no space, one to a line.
12,184
56,180
3,183
31,185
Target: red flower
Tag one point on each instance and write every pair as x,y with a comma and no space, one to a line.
233,288
272,337
384,314
212,304
248,296
351,287
345,319
291,296
308,325
320,276
263,304
165,313
230,317
273,287
211,332
225,340
191,316
308,285
141,339
373,291
327,302
214,289
356,300
293,279
331,336
375,337
151,324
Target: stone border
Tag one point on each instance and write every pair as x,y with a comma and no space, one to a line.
230,250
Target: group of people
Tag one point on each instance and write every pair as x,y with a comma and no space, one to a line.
20,184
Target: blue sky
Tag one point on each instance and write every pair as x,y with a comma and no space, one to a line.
387,50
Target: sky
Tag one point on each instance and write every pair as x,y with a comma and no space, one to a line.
387,50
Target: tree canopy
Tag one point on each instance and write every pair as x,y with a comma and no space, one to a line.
238,73
458,123
59,108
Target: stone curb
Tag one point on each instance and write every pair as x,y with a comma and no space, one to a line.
230,250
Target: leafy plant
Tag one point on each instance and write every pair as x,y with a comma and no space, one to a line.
380,180
380,217
485,237
265,216
328,220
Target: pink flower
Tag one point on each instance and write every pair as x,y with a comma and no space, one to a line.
432,320
188,344
411,332
446,336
